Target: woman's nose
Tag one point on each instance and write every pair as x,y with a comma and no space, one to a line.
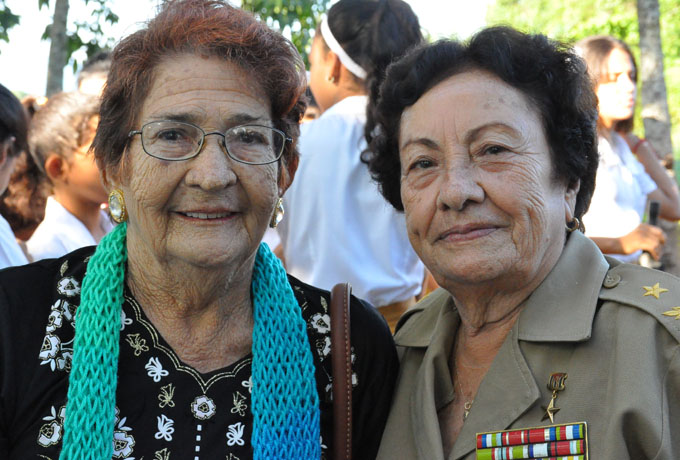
211,169
460,187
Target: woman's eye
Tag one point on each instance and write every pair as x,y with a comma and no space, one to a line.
249,136
171,135
494,149
423,163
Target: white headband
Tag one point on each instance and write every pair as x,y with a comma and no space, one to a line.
333,44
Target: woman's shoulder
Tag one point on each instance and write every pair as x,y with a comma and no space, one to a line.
641,297
29,290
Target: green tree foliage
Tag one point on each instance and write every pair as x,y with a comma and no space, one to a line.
87,35
294,18
571,20
7,20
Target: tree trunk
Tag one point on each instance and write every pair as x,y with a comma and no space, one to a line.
57,60
655,114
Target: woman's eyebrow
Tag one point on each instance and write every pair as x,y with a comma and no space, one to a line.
195,118
424,141
475,133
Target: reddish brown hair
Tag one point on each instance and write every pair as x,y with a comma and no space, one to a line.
207,28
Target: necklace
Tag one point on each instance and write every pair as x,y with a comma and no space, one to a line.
467,405
285,403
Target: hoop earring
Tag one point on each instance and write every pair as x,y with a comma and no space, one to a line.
277,217
574,224
117,207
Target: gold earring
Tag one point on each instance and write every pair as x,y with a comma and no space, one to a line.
277,217
574,224
331,78
117,207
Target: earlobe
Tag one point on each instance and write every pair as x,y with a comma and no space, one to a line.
287,169
570,196
336,67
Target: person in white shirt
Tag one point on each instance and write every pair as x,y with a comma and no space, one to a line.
60,137
13,130
628,175
338,227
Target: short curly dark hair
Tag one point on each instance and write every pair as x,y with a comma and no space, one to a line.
547,72
208,28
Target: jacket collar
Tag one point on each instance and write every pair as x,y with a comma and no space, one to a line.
563,306
546,317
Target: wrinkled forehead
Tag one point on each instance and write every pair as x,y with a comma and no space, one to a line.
203,88
465,101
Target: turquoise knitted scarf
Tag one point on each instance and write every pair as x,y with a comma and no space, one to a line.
285,402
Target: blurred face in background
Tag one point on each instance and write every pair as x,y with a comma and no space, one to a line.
616,91
320,68
83,175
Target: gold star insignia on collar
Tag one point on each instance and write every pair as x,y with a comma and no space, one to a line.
653,290
674,312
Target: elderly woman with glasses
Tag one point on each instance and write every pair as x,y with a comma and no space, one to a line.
181,336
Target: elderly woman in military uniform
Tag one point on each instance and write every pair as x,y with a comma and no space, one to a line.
180,336
537,345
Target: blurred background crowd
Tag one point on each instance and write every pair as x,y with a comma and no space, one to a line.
55,58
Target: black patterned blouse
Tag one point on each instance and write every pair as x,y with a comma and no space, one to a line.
165,409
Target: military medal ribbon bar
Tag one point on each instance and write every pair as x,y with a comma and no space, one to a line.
532,436
557,442
529,451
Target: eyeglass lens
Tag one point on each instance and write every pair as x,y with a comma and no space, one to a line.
176,140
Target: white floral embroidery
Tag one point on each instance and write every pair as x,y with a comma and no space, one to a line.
235,434
69,311
50,433
65,360
68,286
123,441
54,353
165,428
203,407
155,369
124,320
248,384
55,320
50,348
323,346
321,323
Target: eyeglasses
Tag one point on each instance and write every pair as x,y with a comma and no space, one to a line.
177,141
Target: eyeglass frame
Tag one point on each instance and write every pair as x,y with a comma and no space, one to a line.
223,144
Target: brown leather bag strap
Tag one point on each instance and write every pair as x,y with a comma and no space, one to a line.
341,357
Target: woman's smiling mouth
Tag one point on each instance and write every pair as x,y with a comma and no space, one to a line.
207,215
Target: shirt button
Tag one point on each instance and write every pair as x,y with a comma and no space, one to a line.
611,280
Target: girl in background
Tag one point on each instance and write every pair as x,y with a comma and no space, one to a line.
337,226
629,173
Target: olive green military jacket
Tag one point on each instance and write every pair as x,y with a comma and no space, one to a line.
613,328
